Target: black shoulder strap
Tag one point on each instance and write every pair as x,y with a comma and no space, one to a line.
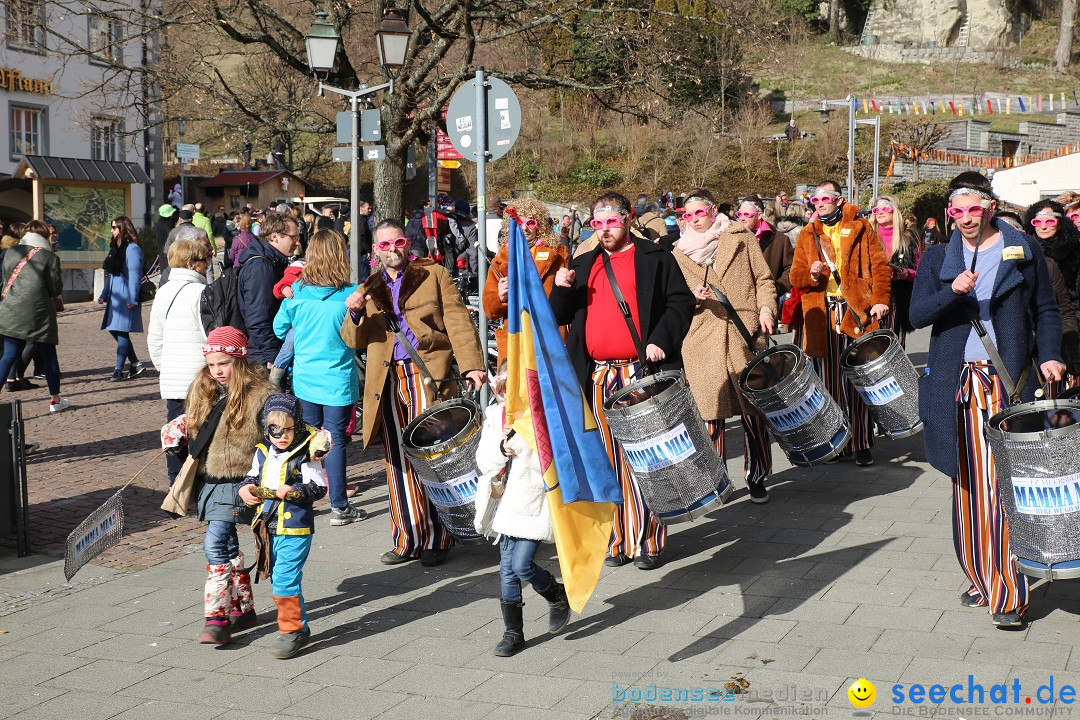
836,277
202,441
734,317
624,307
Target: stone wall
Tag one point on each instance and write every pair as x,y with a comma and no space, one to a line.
920,23
894,53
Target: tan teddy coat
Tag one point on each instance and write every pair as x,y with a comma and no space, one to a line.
714,353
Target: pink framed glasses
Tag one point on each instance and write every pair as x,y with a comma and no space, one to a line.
882,210
610,224
746,215
1044,222
691,215
530,223
385,245
824,199
1074,216
975,211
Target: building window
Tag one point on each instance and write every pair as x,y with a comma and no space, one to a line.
106,139
28,131
106,41
26,24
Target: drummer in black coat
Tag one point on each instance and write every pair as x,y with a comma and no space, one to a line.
605,355
1000,274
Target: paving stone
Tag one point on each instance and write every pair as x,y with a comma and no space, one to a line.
347,671
811,610
508,713
601,666
448,682
757,654
108,676
877,595
167,710
1051,656
270,697
83,705
443,708
897,618
525,690
130,648
181,685
761,629
828,635
924,644
31,668
856,664
60,640
18,697
436,651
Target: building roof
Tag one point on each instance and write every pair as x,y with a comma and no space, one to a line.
48,167
241,178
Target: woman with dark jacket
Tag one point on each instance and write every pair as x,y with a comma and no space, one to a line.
120,296
1005,287
1046,222
31,286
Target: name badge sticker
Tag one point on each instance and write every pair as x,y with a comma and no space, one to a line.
543,255
1012,252
845,231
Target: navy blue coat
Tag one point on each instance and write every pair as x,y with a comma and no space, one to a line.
258,306
1026,322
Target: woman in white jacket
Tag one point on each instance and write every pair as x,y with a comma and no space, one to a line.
176,334
521,518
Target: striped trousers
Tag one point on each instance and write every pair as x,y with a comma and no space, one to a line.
757,451
980,530
842,391
635,530
414,523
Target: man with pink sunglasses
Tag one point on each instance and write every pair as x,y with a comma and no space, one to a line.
991,278
413,302
605,354
841,265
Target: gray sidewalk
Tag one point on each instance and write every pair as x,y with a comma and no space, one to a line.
847,573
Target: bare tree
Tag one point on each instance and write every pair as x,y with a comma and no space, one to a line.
919,136
834,21
1063,54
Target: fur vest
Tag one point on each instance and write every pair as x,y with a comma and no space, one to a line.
229,456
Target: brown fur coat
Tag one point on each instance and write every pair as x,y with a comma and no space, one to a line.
714,353
865,278
231,449
549,260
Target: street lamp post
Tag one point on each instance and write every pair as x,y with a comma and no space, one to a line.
849,101
876,122
323,41
181,128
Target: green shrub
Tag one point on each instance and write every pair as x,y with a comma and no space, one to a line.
593,174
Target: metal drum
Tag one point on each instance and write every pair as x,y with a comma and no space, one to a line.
886,381
441,444
1036,449
807,423
664,442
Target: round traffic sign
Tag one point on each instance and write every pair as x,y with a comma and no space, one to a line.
503,119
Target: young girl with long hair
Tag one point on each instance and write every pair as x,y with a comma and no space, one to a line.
225,402
903,246
120,295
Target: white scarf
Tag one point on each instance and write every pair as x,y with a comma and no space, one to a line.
701,246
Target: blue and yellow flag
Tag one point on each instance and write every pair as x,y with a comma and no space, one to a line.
545,405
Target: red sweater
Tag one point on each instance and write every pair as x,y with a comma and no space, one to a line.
292,274
606,334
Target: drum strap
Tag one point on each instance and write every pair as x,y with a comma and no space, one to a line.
734,317
392,325
1012,389
624,308
836,277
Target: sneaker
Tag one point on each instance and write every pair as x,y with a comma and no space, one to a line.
616,560
758,494
136,370
17,385
118,376
971,600
647,562
433,557
346,515
246,621
215,632
392,558
863,458
55,407
1008,621
288,644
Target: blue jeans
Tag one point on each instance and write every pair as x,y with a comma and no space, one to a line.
285,354
221,543
335,419
13,348
125,350
516,564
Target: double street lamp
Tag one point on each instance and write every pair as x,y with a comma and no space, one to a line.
322,41
849,103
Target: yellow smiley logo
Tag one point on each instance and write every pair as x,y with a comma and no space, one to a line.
862,693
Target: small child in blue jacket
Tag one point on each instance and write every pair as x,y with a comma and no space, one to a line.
287,477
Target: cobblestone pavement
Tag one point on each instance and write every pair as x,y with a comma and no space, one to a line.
111,431
847,573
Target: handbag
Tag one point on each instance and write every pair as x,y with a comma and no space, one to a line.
147,289
791,310
185,490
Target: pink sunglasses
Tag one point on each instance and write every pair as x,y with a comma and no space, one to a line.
611,223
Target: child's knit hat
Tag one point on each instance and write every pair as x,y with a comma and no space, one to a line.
288,404
228,340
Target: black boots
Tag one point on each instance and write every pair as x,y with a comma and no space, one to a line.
558,606
513,640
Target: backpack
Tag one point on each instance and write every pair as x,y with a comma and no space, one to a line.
220,302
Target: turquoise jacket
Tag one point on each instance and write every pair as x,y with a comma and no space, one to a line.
324,368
